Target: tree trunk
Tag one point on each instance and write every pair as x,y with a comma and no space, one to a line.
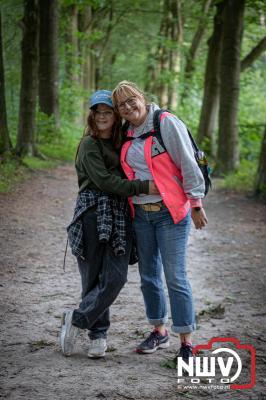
151,74
210,105
5,142
48,63
71,44
87,84
190,62
228,155
260,185
84,24
29,70
161,59
164,71
176,35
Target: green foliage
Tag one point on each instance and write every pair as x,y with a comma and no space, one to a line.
261,192
37,163
63,142
45,128
64,150
169,363
12,34
250,141
243,179
11,172
122,44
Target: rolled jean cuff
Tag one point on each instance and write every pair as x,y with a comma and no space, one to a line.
157,322
184,329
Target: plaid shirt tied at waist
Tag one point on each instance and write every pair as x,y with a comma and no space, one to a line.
112,214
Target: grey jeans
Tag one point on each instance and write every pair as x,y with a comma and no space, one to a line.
102,277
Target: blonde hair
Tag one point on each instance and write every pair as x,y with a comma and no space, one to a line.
128,89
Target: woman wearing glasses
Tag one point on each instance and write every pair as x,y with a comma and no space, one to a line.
100,233
162,221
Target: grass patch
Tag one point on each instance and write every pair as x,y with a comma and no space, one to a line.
11,172
63,145
242,180
61,149
14,171
37,163
64,151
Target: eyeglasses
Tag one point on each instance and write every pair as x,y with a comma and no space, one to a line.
106,114
131,101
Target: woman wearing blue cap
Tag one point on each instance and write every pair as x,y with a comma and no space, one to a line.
100,233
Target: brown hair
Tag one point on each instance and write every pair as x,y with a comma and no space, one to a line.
92,130
129,89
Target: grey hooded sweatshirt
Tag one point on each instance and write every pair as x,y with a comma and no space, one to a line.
178,146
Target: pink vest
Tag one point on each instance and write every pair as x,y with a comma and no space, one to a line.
167,177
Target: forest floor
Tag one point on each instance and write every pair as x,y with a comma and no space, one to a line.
227,271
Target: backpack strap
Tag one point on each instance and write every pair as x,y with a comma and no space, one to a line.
156,132
157,126
198,154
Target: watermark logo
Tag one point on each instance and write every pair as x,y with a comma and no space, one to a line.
221,363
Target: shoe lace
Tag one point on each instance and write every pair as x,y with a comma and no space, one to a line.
152,338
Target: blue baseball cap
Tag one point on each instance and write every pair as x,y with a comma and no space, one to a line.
101,97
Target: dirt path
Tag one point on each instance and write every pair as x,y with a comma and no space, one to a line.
226,266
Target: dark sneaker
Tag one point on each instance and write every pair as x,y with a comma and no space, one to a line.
153,342
185,352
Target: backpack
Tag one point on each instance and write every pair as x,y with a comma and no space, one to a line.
198,154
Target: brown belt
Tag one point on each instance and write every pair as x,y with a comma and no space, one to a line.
152,206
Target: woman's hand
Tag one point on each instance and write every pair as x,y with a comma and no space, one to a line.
199,218
152,188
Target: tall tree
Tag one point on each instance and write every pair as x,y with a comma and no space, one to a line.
161,84
260,185
176,36
5,142
164,66
93,44
71,43
209,110
85,18
196,40
228,155
48,59
28,90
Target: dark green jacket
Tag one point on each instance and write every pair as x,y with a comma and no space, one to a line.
98,168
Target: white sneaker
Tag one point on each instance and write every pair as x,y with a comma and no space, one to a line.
97,348
68,334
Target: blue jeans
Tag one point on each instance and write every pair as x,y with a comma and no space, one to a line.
162,247
102,277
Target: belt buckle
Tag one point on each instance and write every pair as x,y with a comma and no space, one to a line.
152,207
155,207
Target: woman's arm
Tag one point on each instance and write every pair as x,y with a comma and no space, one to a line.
178,145
93,164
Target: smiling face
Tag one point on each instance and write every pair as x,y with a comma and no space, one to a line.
104,119
132,107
